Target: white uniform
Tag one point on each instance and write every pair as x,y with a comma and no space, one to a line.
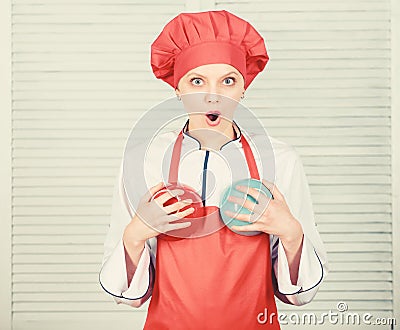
290,179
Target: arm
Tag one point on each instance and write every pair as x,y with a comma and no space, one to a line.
299,269
293,248
310,272
126,274
132,258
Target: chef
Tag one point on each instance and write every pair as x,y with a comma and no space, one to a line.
222,279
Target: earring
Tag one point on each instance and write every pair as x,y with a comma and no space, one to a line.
178,97
242,97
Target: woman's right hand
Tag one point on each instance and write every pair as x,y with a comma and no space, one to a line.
152,218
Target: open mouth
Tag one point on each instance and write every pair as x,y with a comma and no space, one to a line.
213,118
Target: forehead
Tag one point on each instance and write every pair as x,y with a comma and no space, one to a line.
211,70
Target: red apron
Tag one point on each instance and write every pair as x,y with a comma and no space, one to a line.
219,281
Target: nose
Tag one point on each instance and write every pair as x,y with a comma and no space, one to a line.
212,98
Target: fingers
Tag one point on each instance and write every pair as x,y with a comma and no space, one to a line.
162,221
242,217
251,227
242,202
177,206
174,226
181,214
238,216
168,194
259,195
273,189
152,191
178,216
167,221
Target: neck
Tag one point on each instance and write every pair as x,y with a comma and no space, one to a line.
212,138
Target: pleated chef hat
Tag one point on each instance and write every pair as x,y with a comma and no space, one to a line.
193,39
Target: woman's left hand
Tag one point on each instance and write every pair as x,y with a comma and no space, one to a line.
271,216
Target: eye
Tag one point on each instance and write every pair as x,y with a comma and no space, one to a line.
229,81
197,81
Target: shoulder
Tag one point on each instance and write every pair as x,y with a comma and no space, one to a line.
283,151
279,160
163,140
287,163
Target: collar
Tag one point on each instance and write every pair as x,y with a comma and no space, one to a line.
234,142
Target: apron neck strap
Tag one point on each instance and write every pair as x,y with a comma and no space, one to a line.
176,156
251,163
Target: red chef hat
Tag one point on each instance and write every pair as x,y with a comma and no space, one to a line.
193,39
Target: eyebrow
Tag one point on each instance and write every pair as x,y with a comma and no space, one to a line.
200,75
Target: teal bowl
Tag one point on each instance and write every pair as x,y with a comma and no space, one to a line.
235,208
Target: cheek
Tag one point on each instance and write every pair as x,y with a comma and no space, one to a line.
234,93
237,88
185,86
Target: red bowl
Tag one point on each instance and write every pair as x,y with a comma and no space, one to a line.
203,220
188,193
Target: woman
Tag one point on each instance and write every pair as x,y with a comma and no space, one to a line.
221,280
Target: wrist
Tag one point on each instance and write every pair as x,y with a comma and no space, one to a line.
294,237
136,244
130,239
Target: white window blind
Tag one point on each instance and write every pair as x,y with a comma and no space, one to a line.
81,77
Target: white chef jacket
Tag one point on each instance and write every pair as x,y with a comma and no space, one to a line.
290,179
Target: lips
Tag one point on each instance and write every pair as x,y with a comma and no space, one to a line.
213,117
